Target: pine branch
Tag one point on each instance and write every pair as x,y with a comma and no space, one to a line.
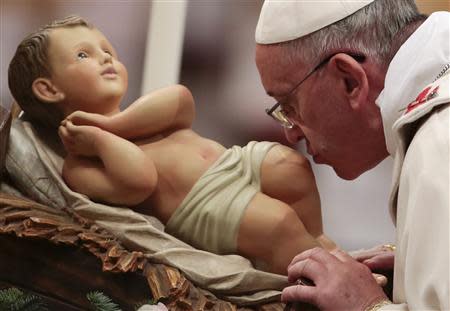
13,299
9,296
101,302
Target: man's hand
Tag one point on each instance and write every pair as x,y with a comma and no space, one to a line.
379,258
340,282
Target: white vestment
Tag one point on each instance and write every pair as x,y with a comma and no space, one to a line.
416,111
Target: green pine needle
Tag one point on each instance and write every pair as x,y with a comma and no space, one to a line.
13,299
101,302
9,296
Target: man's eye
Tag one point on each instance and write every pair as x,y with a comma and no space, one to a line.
108,52
82,55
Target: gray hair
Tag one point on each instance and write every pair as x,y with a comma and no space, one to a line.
370,31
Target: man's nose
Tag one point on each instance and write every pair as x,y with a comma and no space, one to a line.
294,135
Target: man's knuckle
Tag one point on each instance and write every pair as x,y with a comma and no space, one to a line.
362,269
316,250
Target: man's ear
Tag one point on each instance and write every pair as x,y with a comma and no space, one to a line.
352,79
46,91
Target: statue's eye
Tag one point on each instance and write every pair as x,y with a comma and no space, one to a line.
82,55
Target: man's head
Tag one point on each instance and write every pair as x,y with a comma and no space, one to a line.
327,81
65,66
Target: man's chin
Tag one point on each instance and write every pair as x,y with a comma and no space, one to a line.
347,174
354,171
344,172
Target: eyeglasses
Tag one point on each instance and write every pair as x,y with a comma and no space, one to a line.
279,114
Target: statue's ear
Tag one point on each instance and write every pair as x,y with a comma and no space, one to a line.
46,91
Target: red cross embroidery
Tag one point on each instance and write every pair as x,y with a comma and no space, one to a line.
423,97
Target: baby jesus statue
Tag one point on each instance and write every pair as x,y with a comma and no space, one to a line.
259,201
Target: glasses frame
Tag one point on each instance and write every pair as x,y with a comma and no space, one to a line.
276,113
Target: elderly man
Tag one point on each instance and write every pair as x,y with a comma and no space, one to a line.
359,81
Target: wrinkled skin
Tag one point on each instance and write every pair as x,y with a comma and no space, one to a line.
340,282
378,258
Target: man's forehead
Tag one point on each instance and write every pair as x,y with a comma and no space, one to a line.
277,72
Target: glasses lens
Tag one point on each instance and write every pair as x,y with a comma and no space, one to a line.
279,115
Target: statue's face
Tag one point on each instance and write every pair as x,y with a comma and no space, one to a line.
85,68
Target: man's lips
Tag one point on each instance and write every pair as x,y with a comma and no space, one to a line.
308,148
316,157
